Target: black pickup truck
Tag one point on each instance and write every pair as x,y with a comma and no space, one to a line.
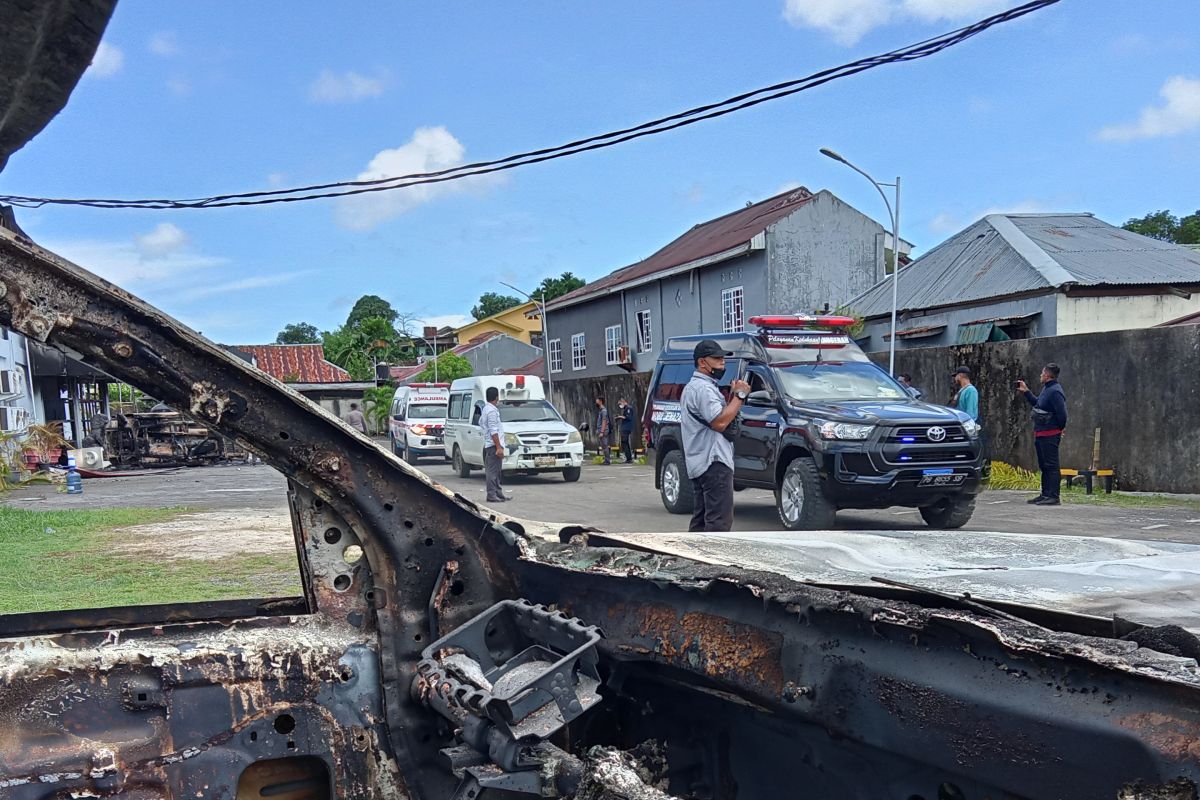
823,427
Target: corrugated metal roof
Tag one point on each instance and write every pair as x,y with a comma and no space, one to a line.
702,241
1006,254
1189,319
300,363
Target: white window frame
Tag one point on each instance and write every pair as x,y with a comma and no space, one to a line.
578,351
612,345
555,351
733,310
645,332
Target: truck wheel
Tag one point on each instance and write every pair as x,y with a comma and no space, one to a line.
571,474
408,454
676,489
801,503
949,512
460,466
395,449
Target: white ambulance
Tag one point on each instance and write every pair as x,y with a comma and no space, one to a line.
418,419
536,439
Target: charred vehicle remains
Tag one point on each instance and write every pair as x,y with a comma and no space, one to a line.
441,650
466,654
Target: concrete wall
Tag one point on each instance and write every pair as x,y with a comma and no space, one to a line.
500,353
1045,306
576,401
1138,386
590,318
748,272
824,252
647,297
1092,314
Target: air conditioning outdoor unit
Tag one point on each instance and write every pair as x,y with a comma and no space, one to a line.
11,381
13,419
623,355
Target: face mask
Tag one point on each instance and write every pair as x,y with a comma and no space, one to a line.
717,373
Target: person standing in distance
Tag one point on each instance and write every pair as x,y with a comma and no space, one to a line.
492,428
967,398
356,420
1049,421
604,429
708,455
626,415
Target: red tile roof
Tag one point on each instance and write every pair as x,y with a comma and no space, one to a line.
296,363
706,239
404,373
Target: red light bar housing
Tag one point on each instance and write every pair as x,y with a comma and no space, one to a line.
520,381
802,321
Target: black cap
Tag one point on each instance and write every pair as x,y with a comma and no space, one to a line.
709,349
962,371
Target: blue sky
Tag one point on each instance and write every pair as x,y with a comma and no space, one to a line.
1090,105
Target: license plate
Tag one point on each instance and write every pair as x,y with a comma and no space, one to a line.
544,461
941,480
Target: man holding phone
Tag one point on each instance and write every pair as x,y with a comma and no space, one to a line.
1049,416
708,454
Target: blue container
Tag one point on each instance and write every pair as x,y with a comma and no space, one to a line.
74,479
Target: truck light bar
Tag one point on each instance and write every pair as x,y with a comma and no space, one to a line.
802,321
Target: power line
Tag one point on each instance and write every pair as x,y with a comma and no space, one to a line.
913,52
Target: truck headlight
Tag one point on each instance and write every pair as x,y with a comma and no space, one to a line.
972,428
574,437
417,430
843,430
511,440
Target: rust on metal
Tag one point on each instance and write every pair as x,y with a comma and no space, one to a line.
1173,737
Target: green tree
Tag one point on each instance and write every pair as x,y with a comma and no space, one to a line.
557,287
450,367
377,404
1162,225
371,306
298,333
492,303
1189,229
357,349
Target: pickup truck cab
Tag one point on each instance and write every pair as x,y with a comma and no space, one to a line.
536,438
417,420
823,427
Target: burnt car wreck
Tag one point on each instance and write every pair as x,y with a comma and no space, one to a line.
442,650
467,654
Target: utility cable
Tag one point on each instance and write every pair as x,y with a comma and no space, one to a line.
913,52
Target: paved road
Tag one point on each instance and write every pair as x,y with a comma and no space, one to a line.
618,498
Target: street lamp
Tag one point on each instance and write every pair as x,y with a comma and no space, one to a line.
545,332
894,215
434,346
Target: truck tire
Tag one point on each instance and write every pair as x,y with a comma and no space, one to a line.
460,465
408,455
676,489
802,504
949,513
571,474
395,449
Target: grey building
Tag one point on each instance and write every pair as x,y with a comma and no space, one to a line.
1020,276
795,252
491,353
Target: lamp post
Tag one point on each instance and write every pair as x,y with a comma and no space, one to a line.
434,346
894,215
545,332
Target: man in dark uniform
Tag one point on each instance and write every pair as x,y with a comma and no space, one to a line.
1049,421
626,414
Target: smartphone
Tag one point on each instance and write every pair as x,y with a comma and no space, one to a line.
1016,384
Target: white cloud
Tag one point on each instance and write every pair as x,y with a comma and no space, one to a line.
847,21
165,239
429,150
212,289
346,87
949,222
130,266
163,43
108,61
1179,113
179,86
276,179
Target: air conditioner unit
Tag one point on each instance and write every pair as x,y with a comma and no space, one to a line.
623,355
13,419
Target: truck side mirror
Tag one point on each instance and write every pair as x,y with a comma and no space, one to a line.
913,392
763,397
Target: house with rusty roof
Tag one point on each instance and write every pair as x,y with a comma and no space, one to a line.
795,252
303,367
1019,276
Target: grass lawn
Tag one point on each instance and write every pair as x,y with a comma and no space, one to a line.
1077,495
54,560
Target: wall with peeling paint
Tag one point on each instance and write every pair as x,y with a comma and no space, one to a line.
1138,386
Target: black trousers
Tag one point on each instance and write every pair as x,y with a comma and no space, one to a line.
714,499
626,445
1047,456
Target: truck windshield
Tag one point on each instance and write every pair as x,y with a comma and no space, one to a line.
833,380
427,411
528,411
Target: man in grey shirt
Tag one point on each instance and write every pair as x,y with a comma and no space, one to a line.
356,419
708,455
493,444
